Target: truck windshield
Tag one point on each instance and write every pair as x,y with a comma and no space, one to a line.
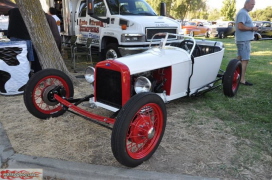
130,7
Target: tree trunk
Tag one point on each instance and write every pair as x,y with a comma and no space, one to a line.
41,36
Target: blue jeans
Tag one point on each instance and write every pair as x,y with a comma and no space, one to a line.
30,54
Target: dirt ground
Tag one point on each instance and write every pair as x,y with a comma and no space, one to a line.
203,147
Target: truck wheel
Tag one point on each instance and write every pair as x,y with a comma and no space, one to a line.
232,77
138,129
39,96
112,51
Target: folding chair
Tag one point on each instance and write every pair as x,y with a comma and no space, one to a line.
70,45
82,50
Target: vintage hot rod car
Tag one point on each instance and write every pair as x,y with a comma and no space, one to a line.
135,88
196,29
264,29
223,29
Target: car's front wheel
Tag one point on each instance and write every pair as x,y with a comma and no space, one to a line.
40,89
232,77
138,129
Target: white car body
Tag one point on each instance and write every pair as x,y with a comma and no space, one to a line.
205,68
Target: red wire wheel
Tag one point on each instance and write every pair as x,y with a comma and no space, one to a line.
232,77
138,129
236,79
39,93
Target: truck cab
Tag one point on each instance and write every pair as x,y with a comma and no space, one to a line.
117,27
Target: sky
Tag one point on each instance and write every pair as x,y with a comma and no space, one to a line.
259,4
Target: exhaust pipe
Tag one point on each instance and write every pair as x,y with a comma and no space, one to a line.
163,9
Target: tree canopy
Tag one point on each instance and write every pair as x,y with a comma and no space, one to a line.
197,9
262,14
228,10
179,9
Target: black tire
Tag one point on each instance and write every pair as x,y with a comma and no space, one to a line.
112,51
38,97
232,77
221,35
256,37
207,34
138,129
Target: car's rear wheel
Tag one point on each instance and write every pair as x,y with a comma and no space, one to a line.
232,77
221,35
40,89
138,129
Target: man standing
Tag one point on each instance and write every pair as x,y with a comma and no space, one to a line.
53,13
244,33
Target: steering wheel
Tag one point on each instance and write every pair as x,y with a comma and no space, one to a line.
188,45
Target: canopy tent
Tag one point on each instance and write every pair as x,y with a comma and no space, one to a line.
5,6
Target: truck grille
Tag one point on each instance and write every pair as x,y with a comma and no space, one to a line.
108,87
151,31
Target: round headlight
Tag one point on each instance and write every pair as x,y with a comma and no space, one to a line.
89,74
142,84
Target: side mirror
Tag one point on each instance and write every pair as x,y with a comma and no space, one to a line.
90,7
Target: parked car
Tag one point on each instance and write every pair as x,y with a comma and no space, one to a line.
209,24
223,29
135,88
265,28
196,29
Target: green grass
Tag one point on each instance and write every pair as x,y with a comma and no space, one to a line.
249,113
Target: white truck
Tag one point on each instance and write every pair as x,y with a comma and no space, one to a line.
117,27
